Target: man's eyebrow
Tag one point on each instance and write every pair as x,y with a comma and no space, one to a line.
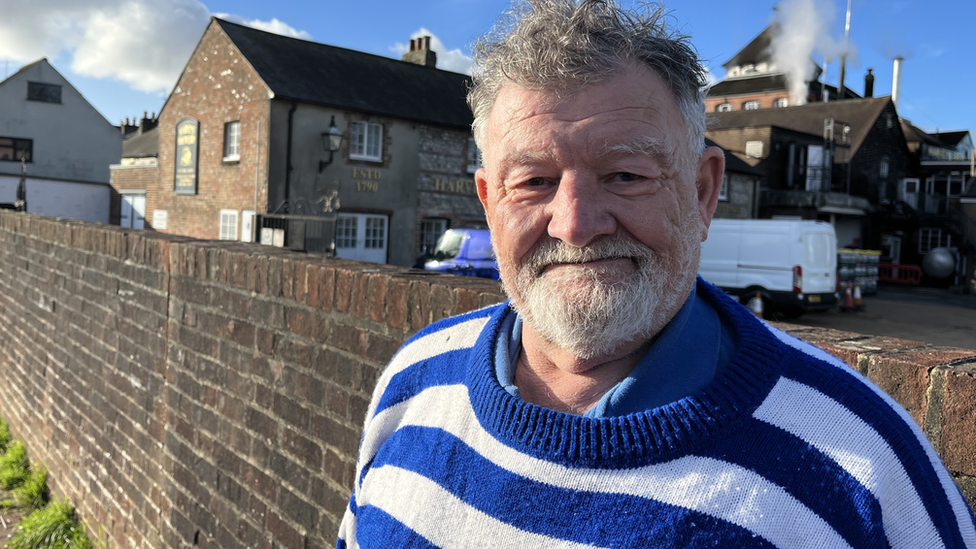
522,158
644,145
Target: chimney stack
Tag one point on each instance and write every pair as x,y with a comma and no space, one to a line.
896,81
869,84
420,52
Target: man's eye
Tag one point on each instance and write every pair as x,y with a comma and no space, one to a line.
535,182
627,176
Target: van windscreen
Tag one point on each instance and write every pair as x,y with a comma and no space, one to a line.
448,246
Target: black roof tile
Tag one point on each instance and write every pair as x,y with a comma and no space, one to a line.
316,73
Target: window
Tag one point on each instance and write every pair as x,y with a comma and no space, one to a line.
883,168
366,141
375,233
930,238
430,230
781,102
754,149
48,93
232,140
14,149
750,106
346,232
228,224
474,156
723,192
724,107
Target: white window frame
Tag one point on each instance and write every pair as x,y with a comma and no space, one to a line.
431,229
228,225
346,232
724,107
232,141
751,105
723,191
374,237
364,136
781,102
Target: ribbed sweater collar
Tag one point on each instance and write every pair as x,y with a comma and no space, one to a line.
664,433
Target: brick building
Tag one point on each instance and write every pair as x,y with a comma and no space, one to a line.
738,198
754,81
243,147
832,161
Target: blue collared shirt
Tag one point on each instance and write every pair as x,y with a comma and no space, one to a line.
688,353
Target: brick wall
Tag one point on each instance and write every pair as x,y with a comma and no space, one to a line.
189,393
218,86
131,178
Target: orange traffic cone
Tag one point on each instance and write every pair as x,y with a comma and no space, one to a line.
848,304
858,304
756,305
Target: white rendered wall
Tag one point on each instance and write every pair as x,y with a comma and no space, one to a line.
81,201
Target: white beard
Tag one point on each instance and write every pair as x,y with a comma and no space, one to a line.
578,310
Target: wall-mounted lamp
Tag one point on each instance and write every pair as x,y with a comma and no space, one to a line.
332,141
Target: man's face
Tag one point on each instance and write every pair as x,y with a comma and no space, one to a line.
593,208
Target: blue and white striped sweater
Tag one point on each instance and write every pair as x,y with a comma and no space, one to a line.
788,447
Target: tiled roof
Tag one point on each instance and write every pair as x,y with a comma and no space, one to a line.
860,114
316,73
732,162
141,145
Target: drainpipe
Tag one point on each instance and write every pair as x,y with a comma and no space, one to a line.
291,117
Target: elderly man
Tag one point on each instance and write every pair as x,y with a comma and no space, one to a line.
615,401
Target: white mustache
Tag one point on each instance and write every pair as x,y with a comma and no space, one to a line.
554,251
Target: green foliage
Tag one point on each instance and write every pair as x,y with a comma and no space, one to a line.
14,466
4,435
32,493
54,527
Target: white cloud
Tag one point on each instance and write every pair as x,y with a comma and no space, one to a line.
449,60
144,43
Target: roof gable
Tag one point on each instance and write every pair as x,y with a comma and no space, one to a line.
316,73
43,71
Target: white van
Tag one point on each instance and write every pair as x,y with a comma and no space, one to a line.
791,263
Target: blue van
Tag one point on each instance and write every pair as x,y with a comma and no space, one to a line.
465,252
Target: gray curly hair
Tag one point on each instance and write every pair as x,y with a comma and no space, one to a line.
563,45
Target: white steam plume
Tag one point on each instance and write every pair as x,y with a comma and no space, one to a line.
144,43
449,60
803,28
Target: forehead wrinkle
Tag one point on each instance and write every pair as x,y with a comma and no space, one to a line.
643,145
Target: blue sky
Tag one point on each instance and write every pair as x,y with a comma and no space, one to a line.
125,55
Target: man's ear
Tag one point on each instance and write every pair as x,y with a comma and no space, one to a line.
711,170
481,182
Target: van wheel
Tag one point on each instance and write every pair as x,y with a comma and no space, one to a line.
745,296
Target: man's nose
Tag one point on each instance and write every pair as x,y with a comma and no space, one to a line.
578,213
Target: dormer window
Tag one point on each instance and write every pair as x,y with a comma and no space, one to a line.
750,106
724,107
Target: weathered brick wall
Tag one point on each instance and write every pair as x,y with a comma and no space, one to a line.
191,393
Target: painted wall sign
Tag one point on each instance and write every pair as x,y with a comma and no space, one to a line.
187,156
458,186
367,180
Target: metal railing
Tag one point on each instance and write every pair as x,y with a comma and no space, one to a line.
306,233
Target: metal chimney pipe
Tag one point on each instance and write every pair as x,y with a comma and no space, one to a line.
896,81
869,84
